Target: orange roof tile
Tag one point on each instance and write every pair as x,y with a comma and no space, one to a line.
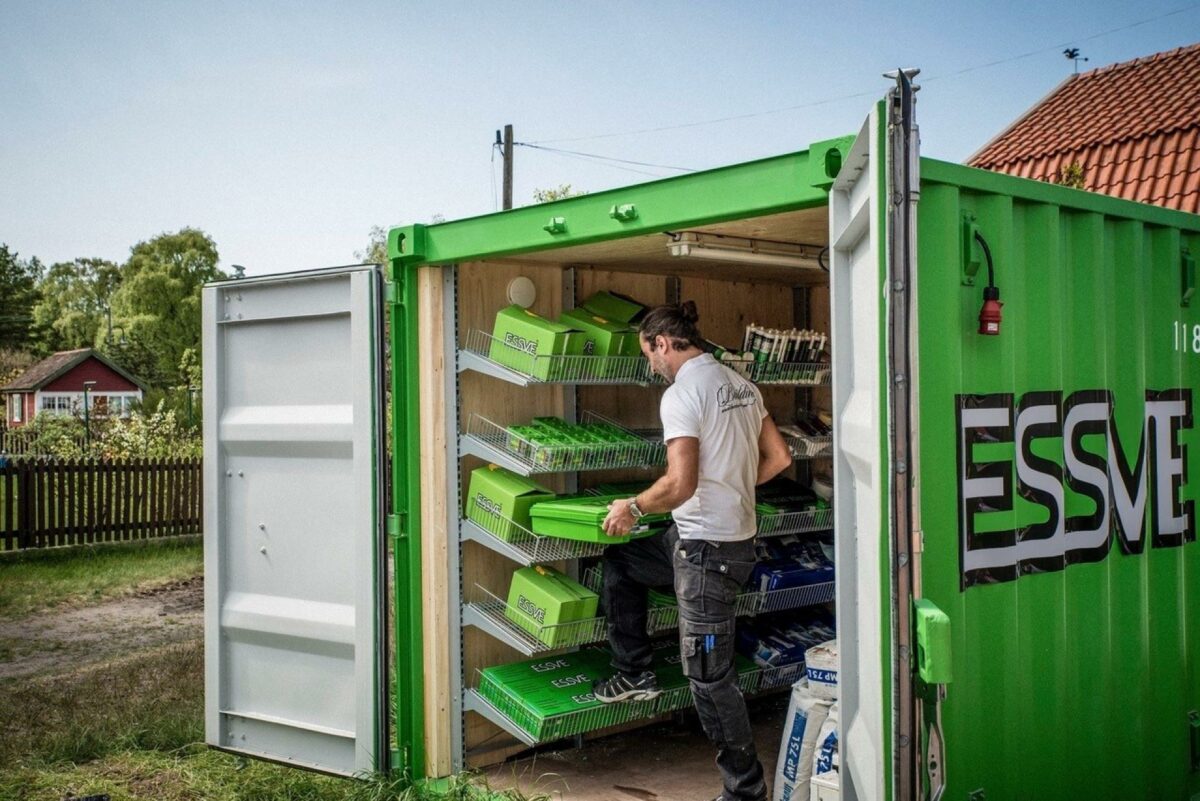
1134,128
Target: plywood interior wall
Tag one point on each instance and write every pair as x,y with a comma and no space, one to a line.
436,539
726,307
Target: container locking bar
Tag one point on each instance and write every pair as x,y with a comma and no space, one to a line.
934,672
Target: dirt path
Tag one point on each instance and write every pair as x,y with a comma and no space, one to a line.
55,641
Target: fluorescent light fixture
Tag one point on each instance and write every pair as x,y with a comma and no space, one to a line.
695,245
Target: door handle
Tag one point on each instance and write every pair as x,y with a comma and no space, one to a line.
934,672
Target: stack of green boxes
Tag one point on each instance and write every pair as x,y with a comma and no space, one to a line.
551,697
543,349
554,444
582,519
528,343
543,602
499,500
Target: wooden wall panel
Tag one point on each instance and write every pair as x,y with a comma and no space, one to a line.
436,539
482,291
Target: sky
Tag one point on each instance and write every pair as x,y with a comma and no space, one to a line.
287,130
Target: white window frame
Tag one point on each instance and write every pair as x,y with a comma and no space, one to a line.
17,406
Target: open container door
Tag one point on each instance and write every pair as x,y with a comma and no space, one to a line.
293,555
859,289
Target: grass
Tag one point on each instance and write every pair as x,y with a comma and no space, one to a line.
34,581
133,728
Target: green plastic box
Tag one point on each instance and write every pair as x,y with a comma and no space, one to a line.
614,307
521,338
541,600
550,697
582,519
602,337
499,500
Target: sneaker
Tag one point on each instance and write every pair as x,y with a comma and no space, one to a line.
626,688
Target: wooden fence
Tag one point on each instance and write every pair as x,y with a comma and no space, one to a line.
51,503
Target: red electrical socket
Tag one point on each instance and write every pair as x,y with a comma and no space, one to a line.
989,314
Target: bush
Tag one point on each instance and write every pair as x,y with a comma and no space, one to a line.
157,435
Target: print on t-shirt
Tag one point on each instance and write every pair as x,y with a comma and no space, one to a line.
730,396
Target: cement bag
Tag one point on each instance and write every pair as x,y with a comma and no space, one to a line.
820,668
805,715
825,757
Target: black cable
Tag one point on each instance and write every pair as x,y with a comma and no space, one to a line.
987,252
602,158
821,259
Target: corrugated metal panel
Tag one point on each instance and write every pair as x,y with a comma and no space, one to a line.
291,524
1071,680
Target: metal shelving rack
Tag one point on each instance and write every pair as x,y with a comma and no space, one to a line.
508,711
481,353
496,444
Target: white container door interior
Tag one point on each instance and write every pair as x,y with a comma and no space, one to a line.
292,540
857,275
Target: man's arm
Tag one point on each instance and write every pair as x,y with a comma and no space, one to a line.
774,456
668,493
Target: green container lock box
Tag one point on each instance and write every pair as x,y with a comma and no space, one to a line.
499,500
523,340
541,600
582,519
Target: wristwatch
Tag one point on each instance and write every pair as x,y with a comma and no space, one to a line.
633,508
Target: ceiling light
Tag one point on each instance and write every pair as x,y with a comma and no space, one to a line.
695,245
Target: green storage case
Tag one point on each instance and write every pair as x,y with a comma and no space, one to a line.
582,518
542,601
499,500
612,306
603,338
521,340
550,697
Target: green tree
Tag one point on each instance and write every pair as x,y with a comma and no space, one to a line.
1072,175
72,304
18,293
560,192
157,305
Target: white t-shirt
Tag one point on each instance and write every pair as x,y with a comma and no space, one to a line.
724,411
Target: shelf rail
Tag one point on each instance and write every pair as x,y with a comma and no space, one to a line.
483,353
499,445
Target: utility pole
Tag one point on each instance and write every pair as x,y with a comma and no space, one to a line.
508,165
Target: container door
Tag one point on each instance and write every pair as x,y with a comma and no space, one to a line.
292,540
858,268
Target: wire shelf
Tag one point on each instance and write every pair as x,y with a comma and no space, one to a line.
485,354
756,603
777,525
810,447
520,719
497,444
665,618
773,678
497,618
796,374
523,546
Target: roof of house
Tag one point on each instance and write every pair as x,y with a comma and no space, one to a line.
1133,127
56,365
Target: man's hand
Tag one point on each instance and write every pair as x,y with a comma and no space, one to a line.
619,521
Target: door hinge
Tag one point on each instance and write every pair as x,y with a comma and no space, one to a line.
390,295
396,527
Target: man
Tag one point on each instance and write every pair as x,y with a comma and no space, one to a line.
720,444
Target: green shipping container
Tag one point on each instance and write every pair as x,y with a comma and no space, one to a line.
1014,511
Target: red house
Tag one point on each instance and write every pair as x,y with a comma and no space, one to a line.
59,383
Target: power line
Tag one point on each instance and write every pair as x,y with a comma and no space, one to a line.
604,158
856,95
591,160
